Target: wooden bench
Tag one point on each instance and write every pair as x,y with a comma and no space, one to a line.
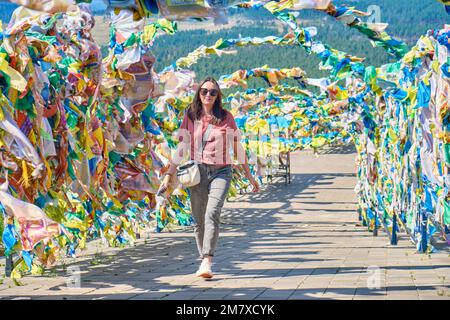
282,168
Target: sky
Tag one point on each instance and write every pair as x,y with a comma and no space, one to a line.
98,5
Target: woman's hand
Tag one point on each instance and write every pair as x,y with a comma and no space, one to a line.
249,176
255,184
164,185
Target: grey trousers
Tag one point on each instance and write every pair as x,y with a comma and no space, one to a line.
207,200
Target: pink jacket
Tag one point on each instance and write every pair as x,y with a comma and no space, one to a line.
219,145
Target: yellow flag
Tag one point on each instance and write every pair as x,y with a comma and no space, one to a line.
16,80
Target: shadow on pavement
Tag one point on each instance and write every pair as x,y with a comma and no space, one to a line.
249,235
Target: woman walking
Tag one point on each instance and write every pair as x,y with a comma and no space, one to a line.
210,134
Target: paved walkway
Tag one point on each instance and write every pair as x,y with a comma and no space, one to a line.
289,242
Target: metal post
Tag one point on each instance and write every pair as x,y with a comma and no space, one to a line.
394,239
289,166
9,266
286,173
375,225
423,232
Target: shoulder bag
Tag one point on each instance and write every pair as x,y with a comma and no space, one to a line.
188,174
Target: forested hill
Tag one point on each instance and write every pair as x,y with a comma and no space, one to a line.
408,20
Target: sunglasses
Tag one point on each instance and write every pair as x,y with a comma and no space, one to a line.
212,92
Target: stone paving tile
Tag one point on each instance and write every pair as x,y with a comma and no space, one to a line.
150,296
301,241
21,298
365,297
117,296
439,293
214,294
175,296
331,290
276,294
402,296
307,294
244,294
342,285
365,293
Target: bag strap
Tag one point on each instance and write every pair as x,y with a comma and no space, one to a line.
206,136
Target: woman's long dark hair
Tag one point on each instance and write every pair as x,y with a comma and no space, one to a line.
195,110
